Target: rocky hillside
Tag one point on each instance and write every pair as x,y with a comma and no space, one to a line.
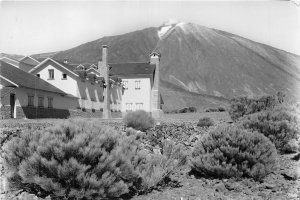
200,66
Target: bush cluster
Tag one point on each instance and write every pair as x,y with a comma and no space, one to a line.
280,125
139,120
219,109
73,160
228,151
183,110
84,160
244,106
205,122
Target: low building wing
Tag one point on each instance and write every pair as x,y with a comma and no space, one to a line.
21,78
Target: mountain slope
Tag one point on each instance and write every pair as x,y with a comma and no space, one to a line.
200,66
213,62
131,47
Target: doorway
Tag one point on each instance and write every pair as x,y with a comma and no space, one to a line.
12,105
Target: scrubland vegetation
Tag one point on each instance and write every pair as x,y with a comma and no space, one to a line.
86,159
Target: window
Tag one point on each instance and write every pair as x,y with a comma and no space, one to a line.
137,85
51,73
31,100
64,76
41,102
139,106
125,85
38,75
128,106
50,102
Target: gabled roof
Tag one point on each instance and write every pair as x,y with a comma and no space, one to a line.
92,69
29,60
13,62
40,59
93,66
131,69
155,53
86,65
20,78
61,64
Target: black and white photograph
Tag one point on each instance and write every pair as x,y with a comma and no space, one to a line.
150,100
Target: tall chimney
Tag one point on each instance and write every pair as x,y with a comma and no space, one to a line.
105,74
155,97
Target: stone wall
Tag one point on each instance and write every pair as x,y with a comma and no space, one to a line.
5,112
34,112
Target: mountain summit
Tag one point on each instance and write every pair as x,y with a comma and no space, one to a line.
200,66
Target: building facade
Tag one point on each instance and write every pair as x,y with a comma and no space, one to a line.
26,96
105,90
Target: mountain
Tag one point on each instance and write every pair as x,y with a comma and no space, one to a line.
131,47
200,66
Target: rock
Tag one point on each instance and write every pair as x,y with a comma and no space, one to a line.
291,175
262,194
156,150
233,186
269,185
296,157
220,187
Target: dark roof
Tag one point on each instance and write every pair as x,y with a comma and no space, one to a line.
28,60
10,61
131,69
66,65
40,59
24,79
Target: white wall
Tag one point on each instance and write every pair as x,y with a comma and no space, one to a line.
69,85
132,95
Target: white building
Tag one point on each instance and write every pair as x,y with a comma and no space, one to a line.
24,95
86,86
98,91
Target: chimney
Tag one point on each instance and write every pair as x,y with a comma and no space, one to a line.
155,96
104,71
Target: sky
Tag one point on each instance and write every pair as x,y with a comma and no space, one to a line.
39,27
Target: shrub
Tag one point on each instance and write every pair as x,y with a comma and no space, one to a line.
228,151
183,110
157,167
244,106
212,110
280,125
74,160
205,122
193,109
101,109
93,110
221,109
139,120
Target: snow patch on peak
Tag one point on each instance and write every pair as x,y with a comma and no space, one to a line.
182,26
167,26
170,22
